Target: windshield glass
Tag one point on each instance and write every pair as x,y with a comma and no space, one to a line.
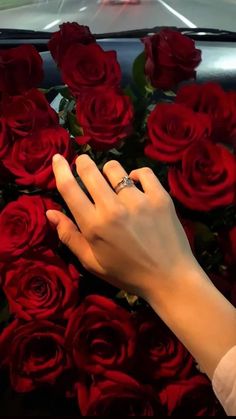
117,15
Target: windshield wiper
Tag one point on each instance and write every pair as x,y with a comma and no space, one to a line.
198,34
23,34
204,34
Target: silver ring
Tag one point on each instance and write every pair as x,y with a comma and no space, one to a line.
126,182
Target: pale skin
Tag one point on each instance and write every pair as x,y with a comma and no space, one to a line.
135,241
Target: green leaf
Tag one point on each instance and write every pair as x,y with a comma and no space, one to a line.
138,73
62,104
129,92
170,93
73,125
62,89
149,88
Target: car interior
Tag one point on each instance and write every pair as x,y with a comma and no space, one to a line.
135,19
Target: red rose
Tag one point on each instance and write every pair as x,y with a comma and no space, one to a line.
40,287
205,98
69,34
193,397
211,99
86,66
23,225
27,113
4,138
160,355
117,395
30,158
100,335
170,58
21,69
106,116
172,129
34,353
207,179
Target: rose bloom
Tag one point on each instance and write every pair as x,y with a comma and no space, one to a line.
26,113
172,129
34,353
21,69
170,58
100,335
23,226
192,397
160,355
211,99
86,66
40,286
207,178
30,158
69,34
106,117
117,395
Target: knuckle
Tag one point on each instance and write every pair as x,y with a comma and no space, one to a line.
116,214
163,201
139,206
93,231
64,236
147,171
85,168
63,185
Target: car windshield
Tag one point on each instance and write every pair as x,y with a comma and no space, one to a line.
117,15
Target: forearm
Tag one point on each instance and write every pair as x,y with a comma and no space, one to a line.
199,315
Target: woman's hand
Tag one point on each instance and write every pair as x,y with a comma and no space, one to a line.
133,240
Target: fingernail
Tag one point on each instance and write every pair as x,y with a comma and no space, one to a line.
52,217
56,157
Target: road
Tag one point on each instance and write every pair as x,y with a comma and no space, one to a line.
48,14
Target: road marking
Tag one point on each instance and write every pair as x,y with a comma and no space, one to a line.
50,25
177,14
83,9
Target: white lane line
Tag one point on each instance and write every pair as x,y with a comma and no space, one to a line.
82,9
178,15
51,24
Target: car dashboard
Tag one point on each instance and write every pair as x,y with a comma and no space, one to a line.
218,61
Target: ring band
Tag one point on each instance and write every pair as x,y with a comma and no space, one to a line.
126,182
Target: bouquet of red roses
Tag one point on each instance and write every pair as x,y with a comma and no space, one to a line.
63,331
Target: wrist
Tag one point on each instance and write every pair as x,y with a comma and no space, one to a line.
197,313
170,286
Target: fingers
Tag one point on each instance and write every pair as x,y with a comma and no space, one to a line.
114,172
79,204
70,236
94,181
152,188
148,180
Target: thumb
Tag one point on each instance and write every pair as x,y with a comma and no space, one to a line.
70,236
